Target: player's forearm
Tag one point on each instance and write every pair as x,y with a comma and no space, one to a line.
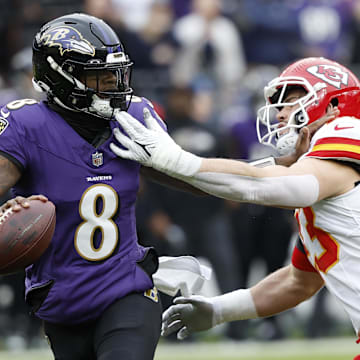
282,290
279,291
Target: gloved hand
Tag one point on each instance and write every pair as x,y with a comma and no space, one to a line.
190,314
152,146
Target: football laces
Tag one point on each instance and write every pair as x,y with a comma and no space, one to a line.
5,215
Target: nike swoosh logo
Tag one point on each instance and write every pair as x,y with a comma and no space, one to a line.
337,127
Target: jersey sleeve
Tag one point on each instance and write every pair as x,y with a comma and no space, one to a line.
338,140
299,258
136,109
11,139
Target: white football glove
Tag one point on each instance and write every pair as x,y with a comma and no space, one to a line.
152,146
190,314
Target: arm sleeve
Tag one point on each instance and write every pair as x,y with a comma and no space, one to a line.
292,191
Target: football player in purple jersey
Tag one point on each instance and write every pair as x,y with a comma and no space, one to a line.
93,286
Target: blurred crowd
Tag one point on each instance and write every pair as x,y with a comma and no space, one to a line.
203,64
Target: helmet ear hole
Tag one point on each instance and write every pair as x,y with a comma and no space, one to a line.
300,117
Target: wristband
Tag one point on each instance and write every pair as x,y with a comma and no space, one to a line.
175,162
236,305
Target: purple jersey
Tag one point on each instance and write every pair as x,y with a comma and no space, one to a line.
93,255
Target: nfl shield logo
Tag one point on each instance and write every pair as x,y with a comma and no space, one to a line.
3,125
97,159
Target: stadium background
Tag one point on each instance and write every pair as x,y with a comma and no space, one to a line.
203,63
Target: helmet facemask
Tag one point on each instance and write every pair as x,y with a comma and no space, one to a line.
279,135
88,93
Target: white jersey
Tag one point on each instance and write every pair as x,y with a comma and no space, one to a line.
330,229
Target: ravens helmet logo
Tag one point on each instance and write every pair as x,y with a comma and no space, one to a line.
67,39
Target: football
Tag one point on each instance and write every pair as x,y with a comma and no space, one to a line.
25,235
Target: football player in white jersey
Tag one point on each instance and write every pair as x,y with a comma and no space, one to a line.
322,187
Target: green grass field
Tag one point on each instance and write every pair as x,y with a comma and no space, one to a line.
324,349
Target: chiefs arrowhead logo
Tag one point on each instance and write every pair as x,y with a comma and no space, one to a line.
331,74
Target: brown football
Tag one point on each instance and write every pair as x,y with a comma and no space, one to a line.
25,235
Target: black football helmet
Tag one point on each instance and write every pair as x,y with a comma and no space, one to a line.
70,48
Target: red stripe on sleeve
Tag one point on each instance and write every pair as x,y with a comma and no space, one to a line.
334,154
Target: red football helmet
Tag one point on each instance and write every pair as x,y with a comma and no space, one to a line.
325,81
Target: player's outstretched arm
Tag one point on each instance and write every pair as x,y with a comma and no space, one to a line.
290,187
278,292
235,180
153,147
